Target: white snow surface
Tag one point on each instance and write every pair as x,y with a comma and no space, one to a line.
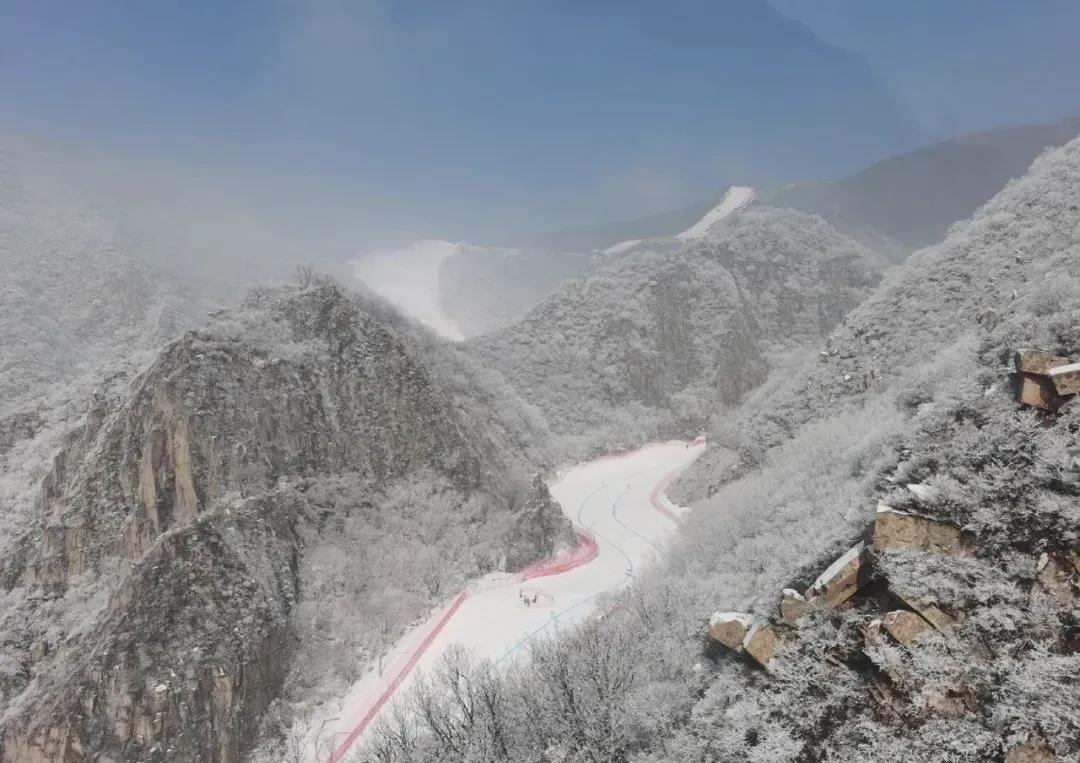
921,491
622,246
722,618
610,497
736,198
884,508
409,277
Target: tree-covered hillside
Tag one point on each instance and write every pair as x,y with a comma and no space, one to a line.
259,512
909,413
658,342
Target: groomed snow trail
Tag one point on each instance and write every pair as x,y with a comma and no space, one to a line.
622,517
736,198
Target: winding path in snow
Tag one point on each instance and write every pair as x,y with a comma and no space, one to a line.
622,517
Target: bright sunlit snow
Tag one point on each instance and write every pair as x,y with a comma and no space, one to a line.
409,277
622,246
736,198
612,498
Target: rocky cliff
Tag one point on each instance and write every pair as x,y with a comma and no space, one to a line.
148,613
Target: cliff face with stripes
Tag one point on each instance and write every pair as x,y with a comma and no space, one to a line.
188,520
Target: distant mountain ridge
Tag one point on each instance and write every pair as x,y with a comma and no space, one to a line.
909,201
653,340
899,203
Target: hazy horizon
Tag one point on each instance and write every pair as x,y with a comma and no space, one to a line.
357,126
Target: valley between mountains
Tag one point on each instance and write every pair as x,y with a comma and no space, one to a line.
772,481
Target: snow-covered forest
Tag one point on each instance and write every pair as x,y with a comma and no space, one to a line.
546,384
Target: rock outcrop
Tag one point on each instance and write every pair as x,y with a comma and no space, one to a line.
841,579
201,493
730,628
793,605
1030,753
852,571
904,626
761,643
902,530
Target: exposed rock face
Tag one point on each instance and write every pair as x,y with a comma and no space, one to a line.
1030,753
729,628
904,626
1038,392
214,416
900,530
195,488
189,651
841,580
540,530
926,609
793,605
1066,379
760,643
1032,361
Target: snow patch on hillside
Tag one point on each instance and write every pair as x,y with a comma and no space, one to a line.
622,246
737,197
409,277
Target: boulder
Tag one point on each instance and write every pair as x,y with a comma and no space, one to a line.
760,643
902,530
842,579
792,606
1038,392
904,626
729,628
1031,361
1066,379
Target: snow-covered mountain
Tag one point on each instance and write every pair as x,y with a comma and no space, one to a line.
286,486
652,337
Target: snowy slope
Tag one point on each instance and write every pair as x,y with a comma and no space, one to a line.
615,499
622,246
736,198
409,278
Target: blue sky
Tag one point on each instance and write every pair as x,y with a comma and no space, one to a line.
479,118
